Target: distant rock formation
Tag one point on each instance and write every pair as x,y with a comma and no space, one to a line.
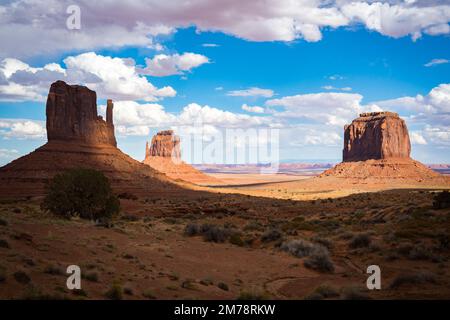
164,155
78,137
164,144
377,149
376,135
72,116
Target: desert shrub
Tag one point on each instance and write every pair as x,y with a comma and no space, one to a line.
54,270
319,260
216,234
420,252
253,294
192,229
318,256
85,192
253,226
271,235
210,232
115,292
223,286
33,292
21,277
415,278
90,276
205,227
300,248
189,284
236,240
442,200
361,240
322,292
323,241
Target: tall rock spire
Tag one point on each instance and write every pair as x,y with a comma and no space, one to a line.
109,112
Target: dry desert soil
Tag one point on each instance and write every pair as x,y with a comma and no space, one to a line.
269,240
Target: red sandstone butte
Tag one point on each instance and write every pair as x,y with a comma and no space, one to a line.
72,115
79,137
164,155
376,135
164,144
377,147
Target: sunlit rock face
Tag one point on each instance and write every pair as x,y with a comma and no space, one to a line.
376,135
164,144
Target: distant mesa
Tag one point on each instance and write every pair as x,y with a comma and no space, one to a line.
376,135
377,148
79,137
164,155
164,144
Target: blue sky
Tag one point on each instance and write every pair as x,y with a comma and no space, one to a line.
354,66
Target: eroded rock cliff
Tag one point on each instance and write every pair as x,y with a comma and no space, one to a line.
72,116
164,144
376,135
377,149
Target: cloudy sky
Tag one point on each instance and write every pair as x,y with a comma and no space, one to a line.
305,67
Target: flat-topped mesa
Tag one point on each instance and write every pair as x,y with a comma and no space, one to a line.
72,116
378,114
164,144
376,135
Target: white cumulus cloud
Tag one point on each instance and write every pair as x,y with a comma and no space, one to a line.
330,108
254,109
22,129
417,138
39,27
165,65
116,78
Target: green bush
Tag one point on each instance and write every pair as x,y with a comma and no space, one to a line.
83,192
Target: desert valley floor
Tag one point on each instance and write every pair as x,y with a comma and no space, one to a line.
151,251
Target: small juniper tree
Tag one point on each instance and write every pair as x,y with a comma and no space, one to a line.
83,192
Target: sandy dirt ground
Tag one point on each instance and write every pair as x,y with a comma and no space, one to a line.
255,242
